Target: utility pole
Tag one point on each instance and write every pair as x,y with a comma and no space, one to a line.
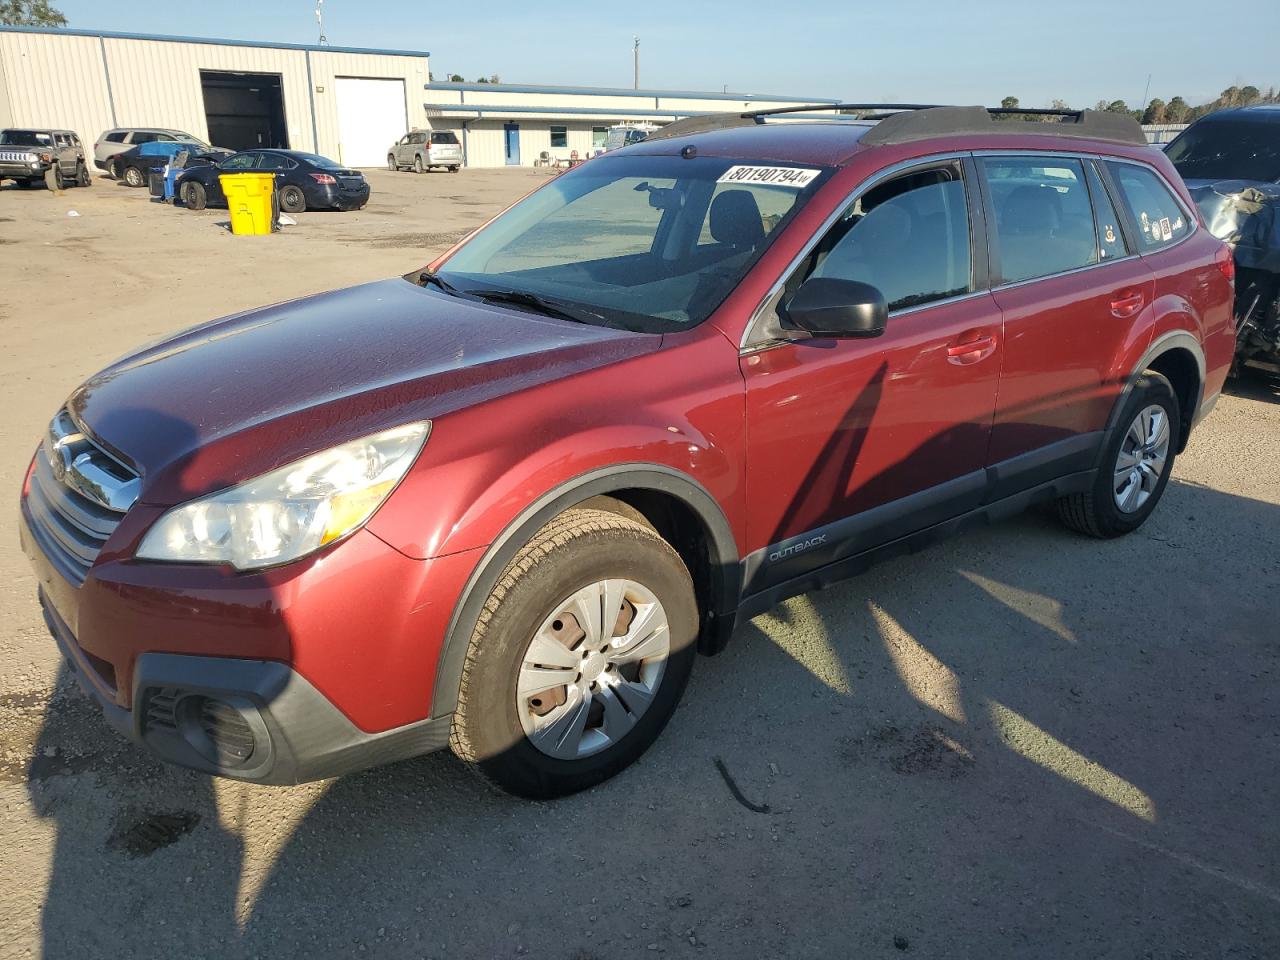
324,41
635,53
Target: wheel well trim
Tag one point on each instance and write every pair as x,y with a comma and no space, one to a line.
1162,344
603,481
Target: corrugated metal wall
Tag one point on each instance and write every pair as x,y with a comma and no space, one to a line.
66,80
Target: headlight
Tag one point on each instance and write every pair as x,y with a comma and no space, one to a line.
291,512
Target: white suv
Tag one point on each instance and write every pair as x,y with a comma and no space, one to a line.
420,150
117,141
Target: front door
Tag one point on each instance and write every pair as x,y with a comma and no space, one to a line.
855,442
1071,296
511,136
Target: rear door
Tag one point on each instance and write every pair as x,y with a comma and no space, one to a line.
855,442
1073,293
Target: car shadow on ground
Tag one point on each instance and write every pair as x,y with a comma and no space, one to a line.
1252,384
1018,743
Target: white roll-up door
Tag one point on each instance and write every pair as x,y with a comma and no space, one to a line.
371,117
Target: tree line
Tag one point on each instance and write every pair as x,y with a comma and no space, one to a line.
1175,110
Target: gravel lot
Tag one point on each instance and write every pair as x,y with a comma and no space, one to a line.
1017,744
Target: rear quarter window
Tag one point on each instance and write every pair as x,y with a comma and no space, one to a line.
1158,216
116,136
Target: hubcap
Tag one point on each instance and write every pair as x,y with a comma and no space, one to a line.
1141,460
592,669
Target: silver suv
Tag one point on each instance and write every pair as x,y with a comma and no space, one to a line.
31,156
114,142
420,150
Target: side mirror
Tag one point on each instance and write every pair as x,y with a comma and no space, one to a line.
830,307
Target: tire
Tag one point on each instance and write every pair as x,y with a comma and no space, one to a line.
391,163
53,179
292,199
133,177
113,169
82,176
23,184
1132,476
455,169
417,165
194,195
531,606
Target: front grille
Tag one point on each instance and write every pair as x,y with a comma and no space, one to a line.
162,705
16,156
79,493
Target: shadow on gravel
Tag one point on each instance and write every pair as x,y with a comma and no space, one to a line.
1254,384
1019,743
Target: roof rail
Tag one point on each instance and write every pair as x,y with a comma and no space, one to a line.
905,122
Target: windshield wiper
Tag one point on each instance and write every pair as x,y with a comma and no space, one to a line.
543,305
430,278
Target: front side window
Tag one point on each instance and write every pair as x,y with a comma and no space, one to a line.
1159,219
908,237
645,243
1043,218
62,140
559,136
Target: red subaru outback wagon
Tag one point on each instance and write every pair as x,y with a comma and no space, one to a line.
500,504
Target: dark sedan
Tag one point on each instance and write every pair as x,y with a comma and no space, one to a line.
304,181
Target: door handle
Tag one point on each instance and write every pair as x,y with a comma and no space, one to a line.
1125,303
971,351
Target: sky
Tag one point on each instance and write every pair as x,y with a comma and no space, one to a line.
975,52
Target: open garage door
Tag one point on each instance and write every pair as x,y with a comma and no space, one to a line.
371,117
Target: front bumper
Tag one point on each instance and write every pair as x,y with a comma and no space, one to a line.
21,171
320,667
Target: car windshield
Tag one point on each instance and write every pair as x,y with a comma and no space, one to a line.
644,243
25,138
316,160
1228,150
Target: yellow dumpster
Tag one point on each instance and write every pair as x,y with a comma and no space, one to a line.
251,199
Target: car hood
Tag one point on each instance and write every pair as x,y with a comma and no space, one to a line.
228,400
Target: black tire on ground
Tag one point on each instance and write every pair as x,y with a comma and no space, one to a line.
455,169
578,548
24,184
194,196
391,163
292,199
53,177
417,165
82,176
1096,512
133,177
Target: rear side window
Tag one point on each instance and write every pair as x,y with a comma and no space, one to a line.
1111,242
1043,219
116,136
273,161
908,237
1156,213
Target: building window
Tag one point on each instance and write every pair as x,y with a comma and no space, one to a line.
599,138
559,136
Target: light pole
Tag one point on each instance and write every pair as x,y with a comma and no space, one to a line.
320,22
635,54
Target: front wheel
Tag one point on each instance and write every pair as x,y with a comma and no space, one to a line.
579,657
53,177
194,196
1137,459
292,199
391,163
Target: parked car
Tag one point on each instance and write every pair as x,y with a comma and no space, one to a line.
1230,160
54,157
624,134
304,181
420,150
134,166
116,141
498,504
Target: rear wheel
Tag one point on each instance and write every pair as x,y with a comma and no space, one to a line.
1137,460
292,199
454,169
417,165
133,177
194,196
579,658
82,176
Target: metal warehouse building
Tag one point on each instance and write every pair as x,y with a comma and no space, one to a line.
346,103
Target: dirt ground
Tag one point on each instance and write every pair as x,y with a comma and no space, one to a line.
1017,744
